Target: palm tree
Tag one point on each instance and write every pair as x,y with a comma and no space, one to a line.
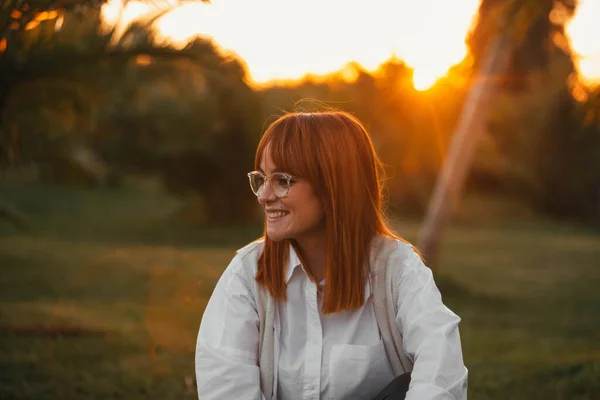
30,48
31,51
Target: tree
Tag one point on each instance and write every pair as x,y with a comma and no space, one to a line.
32,49
55,47
520,36
195,128
568,165
22,26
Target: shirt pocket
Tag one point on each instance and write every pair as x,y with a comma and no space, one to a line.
358,372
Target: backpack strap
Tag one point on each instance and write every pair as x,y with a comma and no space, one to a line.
391,256
265,307
266,345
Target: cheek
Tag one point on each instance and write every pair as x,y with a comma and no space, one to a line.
319,214
305,207
310,212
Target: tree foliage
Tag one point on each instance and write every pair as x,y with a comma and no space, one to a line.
86,105
540,146
534,28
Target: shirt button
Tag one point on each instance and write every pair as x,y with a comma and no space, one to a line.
314,341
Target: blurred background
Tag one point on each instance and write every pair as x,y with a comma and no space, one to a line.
127,129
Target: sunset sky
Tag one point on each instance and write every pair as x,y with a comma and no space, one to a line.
286,39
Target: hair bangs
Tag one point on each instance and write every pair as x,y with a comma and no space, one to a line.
288,140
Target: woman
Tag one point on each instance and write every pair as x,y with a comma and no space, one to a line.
295,314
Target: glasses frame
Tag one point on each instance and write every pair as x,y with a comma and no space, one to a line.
287,177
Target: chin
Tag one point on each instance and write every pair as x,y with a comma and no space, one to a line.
277,236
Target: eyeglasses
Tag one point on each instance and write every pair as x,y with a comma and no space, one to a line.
280,182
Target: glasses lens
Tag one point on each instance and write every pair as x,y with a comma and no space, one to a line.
280,184
257,181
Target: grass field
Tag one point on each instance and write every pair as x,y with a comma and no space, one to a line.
102,299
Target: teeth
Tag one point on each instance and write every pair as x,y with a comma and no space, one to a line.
277,214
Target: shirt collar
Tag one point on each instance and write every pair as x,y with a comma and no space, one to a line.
294,262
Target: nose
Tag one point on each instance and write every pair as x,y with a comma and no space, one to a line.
267,194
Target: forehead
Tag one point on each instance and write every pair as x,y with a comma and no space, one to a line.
267,165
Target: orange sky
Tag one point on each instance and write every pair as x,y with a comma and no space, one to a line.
286,39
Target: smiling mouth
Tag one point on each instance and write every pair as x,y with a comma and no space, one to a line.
273,216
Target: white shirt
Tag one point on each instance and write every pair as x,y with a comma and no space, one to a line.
318,356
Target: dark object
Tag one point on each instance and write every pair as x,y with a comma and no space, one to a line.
396,390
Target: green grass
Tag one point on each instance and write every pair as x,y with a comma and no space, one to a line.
104,297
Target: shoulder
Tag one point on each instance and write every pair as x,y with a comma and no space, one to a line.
238,276
245,261
252,250
384,247
391,252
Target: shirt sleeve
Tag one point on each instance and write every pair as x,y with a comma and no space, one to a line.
227,345
431,337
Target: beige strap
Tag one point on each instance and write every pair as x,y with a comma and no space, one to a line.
385,301
266,312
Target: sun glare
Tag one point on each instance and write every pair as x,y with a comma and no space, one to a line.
282,40
584,35
423,79
113,12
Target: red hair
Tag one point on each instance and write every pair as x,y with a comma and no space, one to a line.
333,151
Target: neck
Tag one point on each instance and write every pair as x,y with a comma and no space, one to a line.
313,253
